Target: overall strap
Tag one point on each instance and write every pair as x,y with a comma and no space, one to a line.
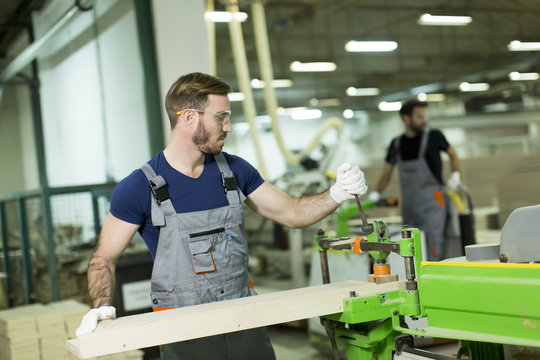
423,143
234,195
161,204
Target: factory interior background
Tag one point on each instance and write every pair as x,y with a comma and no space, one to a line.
82,88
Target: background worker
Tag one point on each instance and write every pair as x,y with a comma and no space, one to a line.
186,203
417,154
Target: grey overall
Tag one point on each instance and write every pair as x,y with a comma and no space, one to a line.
202,257
422,198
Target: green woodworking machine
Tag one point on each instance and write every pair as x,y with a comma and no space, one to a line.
481,302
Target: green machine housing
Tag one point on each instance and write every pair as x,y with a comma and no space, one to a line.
490,302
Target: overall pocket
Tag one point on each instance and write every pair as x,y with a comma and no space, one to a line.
200,246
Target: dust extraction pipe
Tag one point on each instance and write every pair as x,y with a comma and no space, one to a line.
244,82
265,66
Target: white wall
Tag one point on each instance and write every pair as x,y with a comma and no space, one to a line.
92,98
17,149
181,43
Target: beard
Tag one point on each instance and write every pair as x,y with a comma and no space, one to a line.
201,138
417,129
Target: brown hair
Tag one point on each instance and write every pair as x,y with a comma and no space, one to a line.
191,91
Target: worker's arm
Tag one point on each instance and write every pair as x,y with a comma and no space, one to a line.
114,238
454,181
454,158
272,203
384,179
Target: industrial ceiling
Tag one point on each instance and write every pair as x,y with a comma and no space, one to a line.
428,59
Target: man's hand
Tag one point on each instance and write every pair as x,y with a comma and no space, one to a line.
374,196
350,181
454,181
90,320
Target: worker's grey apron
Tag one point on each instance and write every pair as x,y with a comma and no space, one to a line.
202,257
422,198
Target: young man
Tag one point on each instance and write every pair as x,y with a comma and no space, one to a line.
186,203
417,154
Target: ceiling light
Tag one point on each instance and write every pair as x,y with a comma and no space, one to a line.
390,106
289,111
236,96
225,16
306,114
352,91
470,87
517,76
431,97
325,102
276,83
370,46
444,20
348,114
517,45
298,66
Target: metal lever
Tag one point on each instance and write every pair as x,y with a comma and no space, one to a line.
367,228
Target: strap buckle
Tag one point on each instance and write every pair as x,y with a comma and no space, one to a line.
229,183
160,192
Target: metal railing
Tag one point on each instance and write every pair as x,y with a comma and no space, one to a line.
35,225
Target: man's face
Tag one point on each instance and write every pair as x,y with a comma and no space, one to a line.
417,121
211,130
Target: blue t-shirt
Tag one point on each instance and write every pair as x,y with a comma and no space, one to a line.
130,200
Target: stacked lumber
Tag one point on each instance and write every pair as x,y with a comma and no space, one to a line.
19,337
39,332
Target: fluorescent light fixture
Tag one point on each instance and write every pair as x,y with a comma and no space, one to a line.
471,87
276,83
236,96
390,106
298,66
443,20
517,76
370,46
352,91
289,111
306,114
325,102
431,97
517,45
225,16
348,114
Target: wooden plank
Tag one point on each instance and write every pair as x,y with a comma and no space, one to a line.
163,327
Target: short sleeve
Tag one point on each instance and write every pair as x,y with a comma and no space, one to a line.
439,140
130,200
249,179
391,156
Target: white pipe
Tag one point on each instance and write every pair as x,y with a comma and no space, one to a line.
265,66
244,83
211,29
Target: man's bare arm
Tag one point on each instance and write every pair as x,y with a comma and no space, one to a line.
385,177
454,158
280,207
114,238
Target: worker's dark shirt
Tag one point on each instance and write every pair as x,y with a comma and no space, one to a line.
409,150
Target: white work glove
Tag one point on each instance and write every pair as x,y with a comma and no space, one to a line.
454,181
350,181
90,320
374,196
